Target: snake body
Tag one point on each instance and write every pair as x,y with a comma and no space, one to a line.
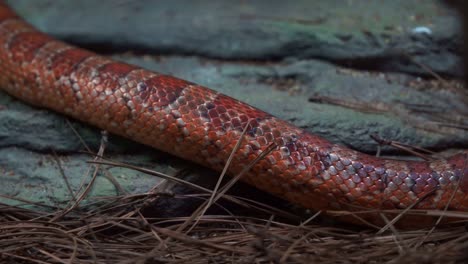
202,125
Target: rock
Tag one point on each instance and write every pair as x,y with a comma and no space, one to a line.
366,34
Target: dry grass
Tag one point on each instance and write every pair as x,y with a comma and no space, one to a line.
117,230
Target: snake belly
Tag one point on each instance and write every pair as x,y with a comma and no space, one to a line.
201,125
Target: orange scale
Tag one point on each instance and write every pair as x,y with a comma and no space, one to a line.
276,133
198,121
427,189
198,101
144,133
187,119
331,183
173,129
156,117
399,194
201,131
111,109
183,109
277,155
389,193
276,169
337,180
374,189
223,153
105,105
323,188
189,125
265,163
67,92
283,165
190,140
298,177
197,136
372,203
350,183
43,75
280,178
100,112
454,203
154,127
226,141
191,105
145,122
344,188
195,114
88,113
406,201
359,200
259,169
255,170
168,119
138,106
355,192
337,193
85,91
315,182
212,136
212,150
262,141
137,128
120,115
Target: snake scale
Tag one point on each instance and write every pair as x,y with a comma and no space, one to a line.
202,125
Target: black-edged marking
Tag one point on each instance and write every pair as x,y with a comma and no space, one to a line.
23,46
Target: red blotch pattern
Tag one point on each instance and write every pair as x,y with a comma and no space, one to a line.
24,46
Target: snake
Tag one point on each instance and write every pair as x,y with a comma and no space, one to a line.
209,128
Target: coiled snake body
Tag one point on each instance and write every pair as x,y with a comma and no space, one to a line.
201,125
